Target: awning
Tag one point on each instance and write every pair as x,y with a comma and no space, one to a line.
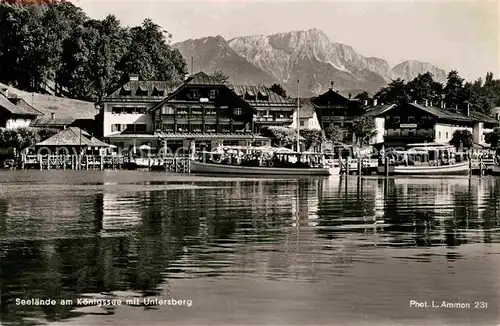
209,136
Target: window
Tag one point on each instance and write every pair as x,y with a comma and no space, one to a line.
129,128
168,127
117,110
439,135
446,135
140,110
196,128
214,93
195,93
140,127
210,112
116,127
238,111
411,119
210,128
129,110
197,111
302,123
182,128
225,128
167,110
411,133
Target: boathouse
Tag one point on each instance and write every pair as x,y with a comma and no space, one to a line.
72,141
399,125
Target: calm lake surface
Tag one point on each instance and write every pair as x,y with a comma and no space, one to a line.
320,251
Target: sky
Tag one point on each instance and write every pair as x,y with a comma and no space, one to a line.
464,35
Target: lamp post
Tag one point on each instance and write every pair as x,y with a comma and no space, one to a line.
298,117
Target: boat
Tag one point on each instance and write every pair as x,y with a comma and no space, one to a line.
262,161
425,159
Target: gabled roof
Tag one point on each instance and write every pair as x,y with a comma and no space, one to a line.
150,91
49,121
201,78
448,113
264,96
378,109
72,136
307,109
22,108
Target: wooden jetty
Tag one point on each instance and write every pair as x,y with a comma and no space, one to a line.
99,162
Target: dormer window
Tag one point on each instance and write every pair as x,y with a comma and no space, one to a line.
125,90
195,94
158,91
141,91
249,95
213,94
263,96
238,111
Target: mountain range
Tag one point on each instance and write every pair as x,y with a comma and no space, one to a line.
308,56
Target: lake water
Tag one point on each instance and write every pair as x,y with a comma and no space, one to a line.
240,251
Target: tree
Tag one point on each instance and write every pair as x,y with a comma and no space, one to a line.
462,138
454,93
493,138
220,76
396,92
312,137
423,87
364,128
335,133
280,136
278,89
363,96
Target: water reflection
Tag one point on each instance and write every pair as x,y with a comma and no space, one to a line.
121,240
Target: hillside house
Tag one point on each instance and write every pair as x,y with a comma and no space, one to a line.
15,112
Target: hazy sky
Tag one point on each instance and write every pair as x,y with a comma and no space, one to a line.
452,35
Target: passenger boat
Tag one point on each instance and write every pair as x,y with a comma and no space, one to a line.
424,159
262,160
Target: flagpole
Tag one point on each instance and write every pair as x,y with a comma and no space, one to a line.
298,117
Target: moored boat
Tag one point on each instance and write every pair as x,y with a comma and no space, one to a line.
426,159
262,160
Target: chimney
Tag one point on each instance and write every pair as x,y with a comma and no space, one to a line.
331,85
53,115
426,103
374,102
133,77
415,101
365,102
442,105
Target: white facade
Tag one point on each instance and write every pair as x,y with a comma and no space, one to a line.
131,114
306,123
380,129
444,132
14,123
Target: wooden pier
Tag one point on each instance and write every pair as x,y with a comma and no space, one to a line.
95,162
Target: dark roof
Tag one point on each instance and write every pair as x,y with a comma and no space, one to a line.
378,109
264,96
150,91
201,78
306,108
22,108
49,121
447,113
72,136
21,103
481,117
